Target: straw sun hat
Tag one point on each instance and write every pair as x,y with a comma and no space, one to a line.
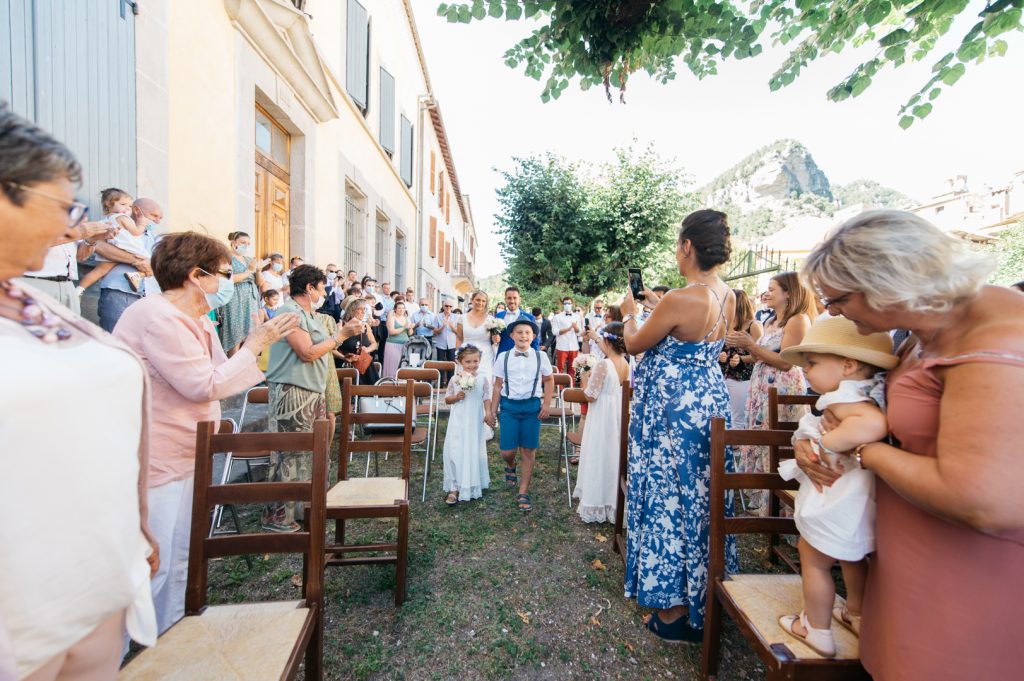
839,336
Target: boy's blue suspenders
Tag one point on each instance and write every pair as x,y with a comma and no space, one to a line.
536,377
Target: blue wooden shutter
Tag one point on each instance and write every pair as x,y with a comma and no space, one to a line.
406,160
357,60
387,111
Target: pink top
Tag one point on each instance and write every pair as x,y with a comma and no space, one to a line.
942,601
189,373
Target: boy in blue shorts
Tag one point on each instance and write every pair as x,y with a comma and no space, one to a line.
523,386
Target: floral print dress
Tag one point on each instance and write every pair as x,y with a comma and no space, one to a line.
678,389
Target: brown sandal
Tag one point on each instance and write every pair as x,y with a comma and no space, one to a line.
452,499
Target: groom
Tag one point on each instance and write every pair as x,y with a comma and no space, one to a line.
513,313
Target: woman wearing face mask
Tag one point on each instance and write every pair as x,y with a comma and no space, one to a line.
237,314
273,274
189,374
350,350
297,378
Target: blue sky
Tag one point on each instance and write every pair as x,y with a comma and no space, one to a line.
493,113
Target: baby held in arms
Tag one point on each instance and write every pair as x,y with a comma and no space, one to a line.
837,523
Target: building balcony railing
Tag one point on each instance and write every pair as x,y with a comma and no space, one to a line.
463,269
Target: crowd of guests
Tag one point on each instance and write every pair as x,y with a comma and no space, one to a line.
930,448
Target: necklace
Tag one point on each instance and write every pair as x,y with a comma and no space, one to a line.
44,325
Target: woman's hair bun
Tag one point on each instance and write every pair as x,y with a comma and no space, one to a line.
708,232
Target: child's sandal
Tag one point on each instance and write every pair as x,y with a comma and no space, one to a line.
452,499
843,616
523,502
819,640
510,476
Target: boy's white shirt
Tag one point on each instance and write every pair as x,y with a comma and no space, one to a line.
522,371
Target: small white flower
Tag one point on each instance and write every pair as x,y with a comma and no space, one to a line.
466,381
495,325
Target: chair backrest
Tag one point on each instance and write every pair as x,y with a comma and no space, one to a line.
350,415
562,381
722,482
309,542
574,396
440,365
347,372
227,426
432,376
775,400
259,395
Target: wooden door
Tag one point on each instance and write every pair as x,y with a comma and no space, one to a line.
278,202
272,193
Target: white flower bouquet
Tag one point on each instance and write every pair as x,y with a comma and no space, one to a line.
466,382
585,362
495,325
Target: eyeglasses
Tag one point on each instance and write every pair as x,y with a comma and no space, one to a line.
827,303
223,273
76,209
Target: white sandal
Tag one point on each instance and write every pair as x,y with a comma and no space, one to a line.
819,640
850,621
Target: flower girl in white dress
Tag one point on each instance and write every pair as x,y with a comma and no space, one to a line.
465,440
598,477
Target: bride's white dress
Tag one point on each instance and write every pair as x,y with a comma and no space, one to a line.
481,338
598,476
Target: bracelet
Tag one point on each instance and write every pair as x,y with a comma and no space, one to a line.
857,453
629,318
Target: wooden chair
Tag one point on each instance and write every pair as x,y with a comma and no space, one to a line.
378,497
442,367
572,437
619,533
347,372
756,601
786,497
247,640
425,406
258,395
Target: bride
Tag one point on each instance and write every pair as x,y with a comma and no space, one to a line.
472,329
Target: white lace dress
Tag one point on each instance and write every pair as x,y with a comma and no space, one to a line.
465,441
598,476
481,338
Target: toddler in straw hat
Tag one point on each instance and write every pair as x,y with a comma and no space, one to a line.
837,522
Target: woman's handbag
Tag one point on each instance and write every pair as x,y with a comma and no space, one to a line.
363,361
382,405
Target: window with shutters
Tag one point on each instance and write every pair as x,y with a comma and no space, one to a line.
433,166
448,211
440,248
405,162
433,236
440,189
381,246
400,253
354,229
357,55
448,257
387,111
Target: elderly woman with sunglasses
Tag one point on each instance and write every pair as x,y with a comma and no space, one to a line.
77,554
189,374
943,597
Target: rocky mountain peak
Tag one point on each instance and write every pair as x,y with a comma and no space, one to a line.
777,173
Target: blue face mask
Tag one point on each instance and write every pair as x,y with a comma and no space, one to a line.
225,291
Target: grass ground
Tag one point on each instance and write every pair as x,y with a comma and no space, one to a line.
492,594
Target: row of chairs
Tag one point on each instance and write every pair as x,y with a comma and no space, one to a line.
272,640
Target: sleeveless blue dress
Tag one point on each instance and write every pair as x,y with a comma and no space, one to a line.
678,389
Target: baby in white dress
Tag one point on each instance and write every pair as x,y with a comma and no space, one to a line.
837,522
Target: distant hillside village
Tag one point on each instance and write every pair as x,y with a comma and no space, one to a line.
780,201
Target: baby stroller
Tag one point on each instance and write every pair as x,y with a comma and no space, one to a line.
416,351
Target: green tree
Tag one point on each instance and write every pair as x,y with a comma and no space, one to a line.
563,228
604,41
1010,250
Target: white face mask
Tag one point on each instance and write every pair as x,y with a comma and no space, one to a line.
371,289
243,249
331,276
277,266
567,307
318,304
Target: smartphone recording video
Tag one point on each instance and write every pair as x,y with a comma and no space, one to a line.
636,283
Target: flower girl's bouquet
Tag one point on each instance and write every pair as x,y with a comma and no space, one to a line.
466,382
584,363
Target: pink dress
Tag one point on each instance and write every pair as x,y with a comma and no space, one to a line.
942,601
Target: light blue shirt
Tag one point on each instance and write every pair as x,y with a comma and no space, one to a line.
426,319
115,278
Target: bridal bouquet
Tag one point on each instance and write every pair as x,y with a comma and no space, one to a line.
495,325
585,362
466,382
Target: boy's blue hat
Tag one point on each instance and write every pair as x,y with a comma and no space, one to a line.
520,322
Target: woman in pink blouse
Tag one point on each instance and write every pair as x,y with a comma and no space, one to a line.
943,595
189,374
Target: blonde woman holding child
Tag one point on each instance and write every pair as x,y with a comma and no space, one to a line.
598,477
837,522
465,440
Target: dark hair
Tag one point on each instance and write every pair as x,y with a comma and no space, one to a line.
661,288
353,291
744,311
536,312
29,156
511,288
293,258
615,312
111,194
569,298
800,299
402,303
270,293
364,280
303,276
1019,286
708,232
467,350
176,255
236,235
614,335
398,294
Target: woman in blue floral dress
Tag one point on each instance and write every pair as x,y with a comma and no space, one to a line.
678,389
